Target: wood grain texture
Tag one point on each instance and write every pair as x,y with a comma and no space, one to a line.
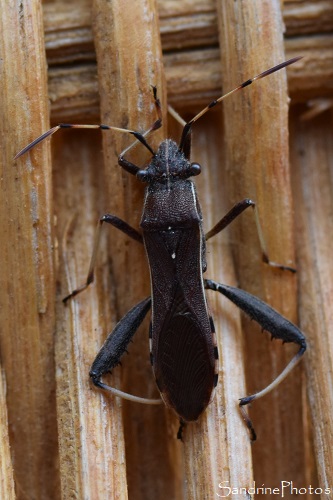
6,468
129,61
257,166
74,90
92,455
189,39
217,450
67,439
311,156
27,279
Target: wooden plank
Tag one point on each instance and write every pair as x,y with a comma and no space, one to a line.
256,165
27,285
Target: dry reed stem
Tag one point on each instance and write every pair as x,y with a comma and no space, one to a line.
27,273
217,449
74,89
183,24
6,468
148,431
92,455
129,62
311,156
189,34
257,166
105,448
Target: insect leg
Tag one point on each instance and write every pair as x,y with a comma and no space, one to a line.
270,320
235,211
115,346
182,425
119,224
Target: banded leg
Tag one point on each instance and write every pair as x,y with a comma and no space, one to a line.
115,346
270,320
119,224
235,211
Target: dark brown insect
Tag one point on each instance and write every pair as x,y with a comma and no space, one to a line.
182,336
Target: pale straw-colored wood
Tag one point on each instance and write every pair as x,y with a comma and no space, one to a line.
257,167
92,455
189,34
311,157
6,468
27,283
114,449
129,62
74,90
217,449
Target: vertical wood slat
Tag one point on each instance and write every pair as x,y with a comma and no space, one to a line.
217,449
256,159
311,156
92,455
104,417
26,247
7,489
129,61
209,472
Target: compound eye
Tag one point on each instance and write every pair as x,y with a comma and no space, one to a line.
142,175
195,169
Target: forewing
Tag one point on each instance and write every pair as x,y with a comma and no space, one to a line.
182,345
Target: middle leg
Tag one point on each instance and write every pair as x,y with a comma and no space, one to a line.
119,224
233,213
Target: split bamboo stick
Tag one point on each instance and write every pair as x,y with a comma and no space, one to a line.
311,157
257,167
7,489
103,443
27,278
